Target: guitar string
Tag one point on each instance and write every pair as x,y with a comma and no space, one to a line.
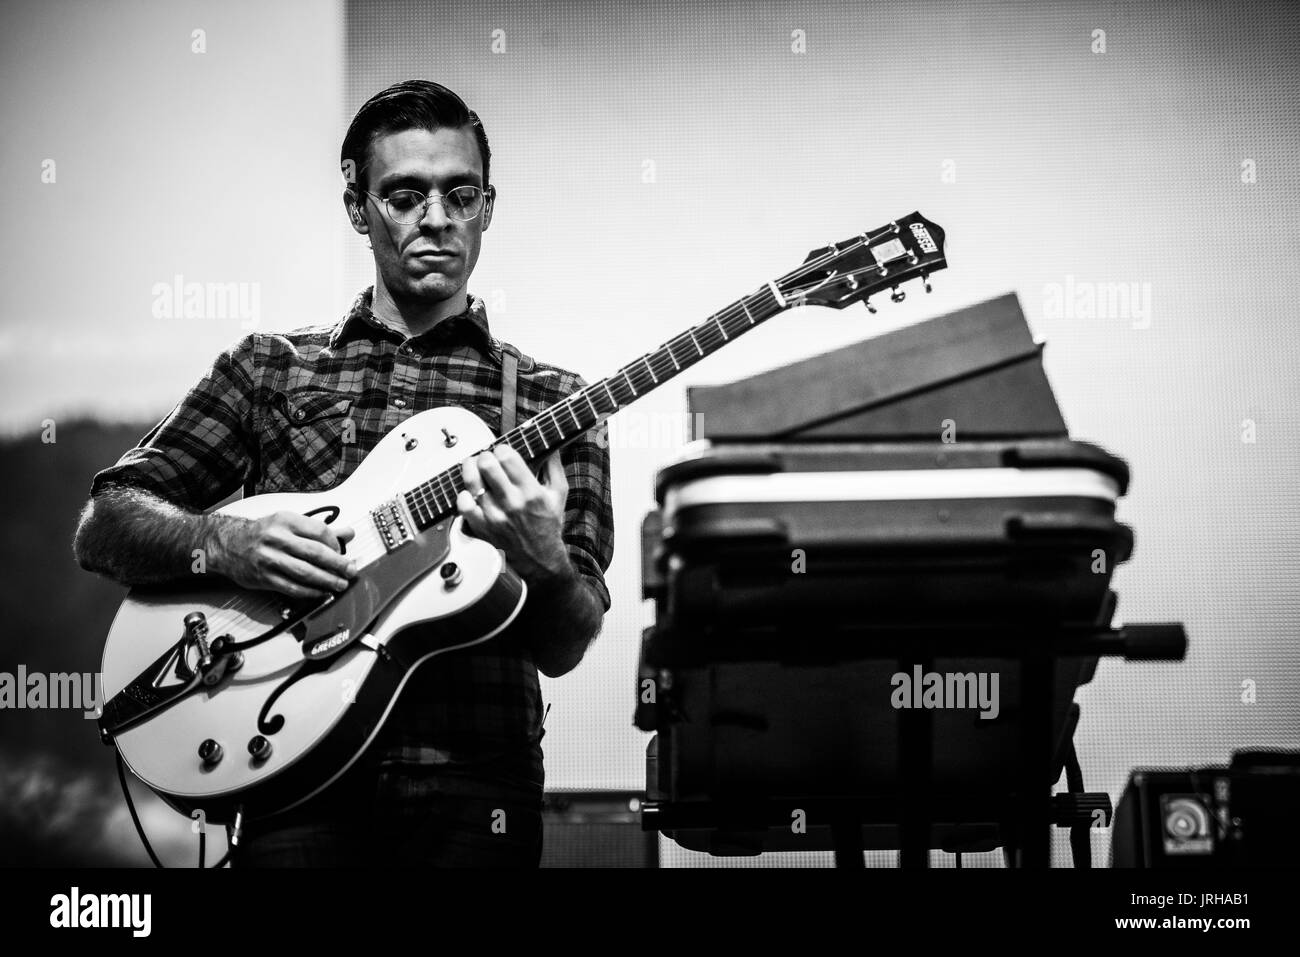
431,491
240,604
446,482
367,556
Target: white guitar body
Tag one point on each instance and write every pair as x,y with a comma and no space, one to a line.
309,730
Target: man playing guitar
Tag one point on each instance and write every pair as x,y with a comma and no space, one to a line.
455,777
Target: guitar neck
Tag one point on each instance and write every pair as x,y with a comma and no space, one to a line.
563,422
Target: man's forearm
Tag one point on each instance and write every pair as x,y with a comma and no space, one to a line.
561,618
138,538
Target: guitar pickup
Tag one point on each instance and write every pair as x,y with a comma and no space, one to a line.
392,525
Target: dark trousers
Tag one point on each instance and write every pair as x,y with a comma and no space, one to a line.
484,814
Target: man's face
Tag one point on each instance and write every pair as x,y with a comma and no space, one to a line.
433,258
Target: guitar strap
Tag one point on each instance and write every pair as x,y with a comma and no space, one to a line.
509,371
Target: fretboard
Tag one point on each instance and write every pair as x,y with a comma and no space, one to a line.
563,422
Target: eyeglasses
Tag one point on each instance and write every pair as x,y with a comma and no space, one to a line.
408,206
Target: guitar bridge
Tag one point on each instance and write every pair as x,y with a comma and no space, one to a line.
171,677
391,522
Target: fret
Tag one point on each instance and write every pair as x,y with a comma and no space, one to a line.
629,382
669,347
697,344
744,304
646,360
524,435
587,396
540,434
721,328
573,415
612,400
555,422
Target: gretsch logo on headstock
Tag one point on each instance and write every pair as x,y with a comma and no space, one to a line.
923,237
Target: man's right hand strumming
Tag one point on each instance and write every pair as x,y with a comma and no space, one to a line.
139,538
284,552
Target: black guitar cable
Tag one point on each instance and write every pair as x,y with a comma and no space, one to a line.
139,828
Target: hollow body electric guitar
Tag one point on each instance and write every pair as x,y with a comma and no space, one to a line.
242,702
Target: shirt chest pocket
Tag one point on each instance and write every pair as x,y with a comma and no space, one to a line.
490,414
304,434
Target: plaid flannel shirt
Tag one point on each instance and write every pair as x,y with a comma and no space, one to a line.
269,416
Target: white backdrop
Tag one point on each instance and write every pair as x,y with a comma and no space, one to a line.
656,162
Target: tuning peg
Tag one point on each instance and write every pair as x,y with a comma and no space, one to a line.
870,308
897,295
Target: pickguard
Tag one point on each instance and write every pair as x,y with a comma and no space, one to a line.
358,606
379,583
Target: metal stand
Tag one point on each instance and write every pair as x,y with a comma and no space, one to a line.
1035,810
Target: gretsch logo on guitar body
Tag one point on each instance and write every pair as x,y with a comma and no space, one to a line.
334,641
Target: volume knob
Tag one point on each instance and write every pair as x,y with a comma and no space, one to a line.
259,747
451,574
211,752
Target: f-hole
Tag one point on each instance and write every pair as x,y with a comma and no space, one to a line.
331,513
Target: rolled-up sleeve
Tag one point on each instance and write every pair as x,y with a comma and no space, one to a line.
589,512
206,447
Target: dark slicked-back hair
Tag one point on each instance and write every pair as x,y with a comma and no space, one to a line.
409,105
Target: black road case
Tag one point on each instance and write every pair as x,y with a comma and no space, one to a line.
849,525
757,534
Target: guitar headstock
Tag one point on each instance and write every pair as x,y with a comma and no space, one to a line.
858,268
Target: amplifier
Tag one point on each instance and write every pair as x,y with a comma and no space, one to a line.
596,829
1238,816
